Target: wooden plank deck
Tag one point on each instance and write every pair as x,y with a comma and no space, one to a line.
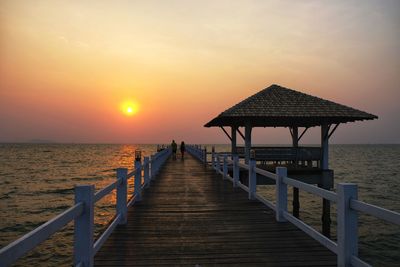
190,216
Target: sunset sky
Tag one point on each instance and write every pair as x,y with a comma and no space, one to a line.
66,67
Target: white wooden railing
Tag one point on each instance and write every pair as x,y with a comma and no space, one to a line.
348,206
83,214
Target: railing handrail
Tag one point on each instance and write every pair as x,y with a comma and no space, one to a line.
18,248
346,248
29,241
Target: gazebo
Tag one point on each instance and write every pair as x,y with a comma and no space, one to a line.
277,106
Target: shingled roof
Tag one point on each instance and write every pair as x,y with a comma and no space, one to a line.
278,106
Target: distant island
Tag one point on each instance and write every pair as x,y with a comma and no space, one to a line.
40,141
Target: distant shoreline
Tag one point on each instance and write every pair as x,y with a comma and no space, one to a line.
207,144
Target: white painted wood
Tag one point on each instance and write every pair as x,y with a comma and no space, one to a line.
225,167
122,192
130,174
266,202
105,191
281,194
331,196
347,232
247,143
252,179
357,262
243,166
152,171
266,173
131,201
235,170
146,171
326,242
104,236
378,212
228,177
213,157
10,253
218,167
245,188
83,234
138,181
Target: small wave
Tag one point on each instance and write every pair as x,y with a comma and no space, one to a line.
62,191
85,178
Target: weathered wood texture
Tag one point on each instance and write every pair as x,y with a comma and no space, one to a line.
190,216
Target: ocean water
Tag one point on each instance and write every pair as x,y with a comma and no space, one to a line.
37,181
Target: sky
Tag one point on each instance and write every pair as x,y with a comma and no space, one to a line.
66,67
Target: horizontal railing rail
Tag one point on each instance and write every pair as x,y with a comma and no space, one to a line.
82,213
10,253
346,247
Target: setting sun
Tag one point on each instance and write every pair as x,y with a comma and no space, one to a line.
129,108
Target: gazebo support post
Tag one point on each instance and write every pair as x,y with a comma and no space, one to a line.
247,143
233,140
326,206
296,202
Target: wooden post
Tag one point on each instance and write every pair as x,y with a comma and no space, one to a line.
122,192
252,179
225,167
218,164
325,147
235,170
152,172
205,156
138,181
233,143
247,143
281,194
296,202
326,206
213,157
83,230
146,171
347,233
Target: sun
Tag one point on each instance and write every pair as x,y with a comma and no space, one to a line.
129,108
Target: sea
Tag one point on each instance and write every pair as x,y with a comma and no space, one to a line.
37,183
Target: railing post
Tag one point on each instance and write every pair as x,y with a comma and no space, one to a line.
205,156
152,174
138,180
218,167
347,233
235,170
122,192
146,171
281,194
83,229
213,157
200,153
252,179
225,167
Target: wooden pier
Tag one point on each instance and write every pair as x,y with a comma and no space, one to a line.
191,216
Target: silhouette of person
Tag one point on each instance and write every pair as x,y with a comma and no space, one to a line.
183,149
174,147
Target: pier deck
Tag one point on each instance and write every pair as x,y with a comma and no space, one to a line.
190,216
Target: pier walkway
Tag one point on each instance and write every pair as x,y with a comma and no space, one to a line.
191,216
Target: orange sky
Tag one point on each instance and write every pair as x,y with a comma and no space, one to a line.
66,66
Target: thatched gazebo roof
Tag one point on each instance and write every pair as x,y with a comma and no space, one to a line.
278,106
